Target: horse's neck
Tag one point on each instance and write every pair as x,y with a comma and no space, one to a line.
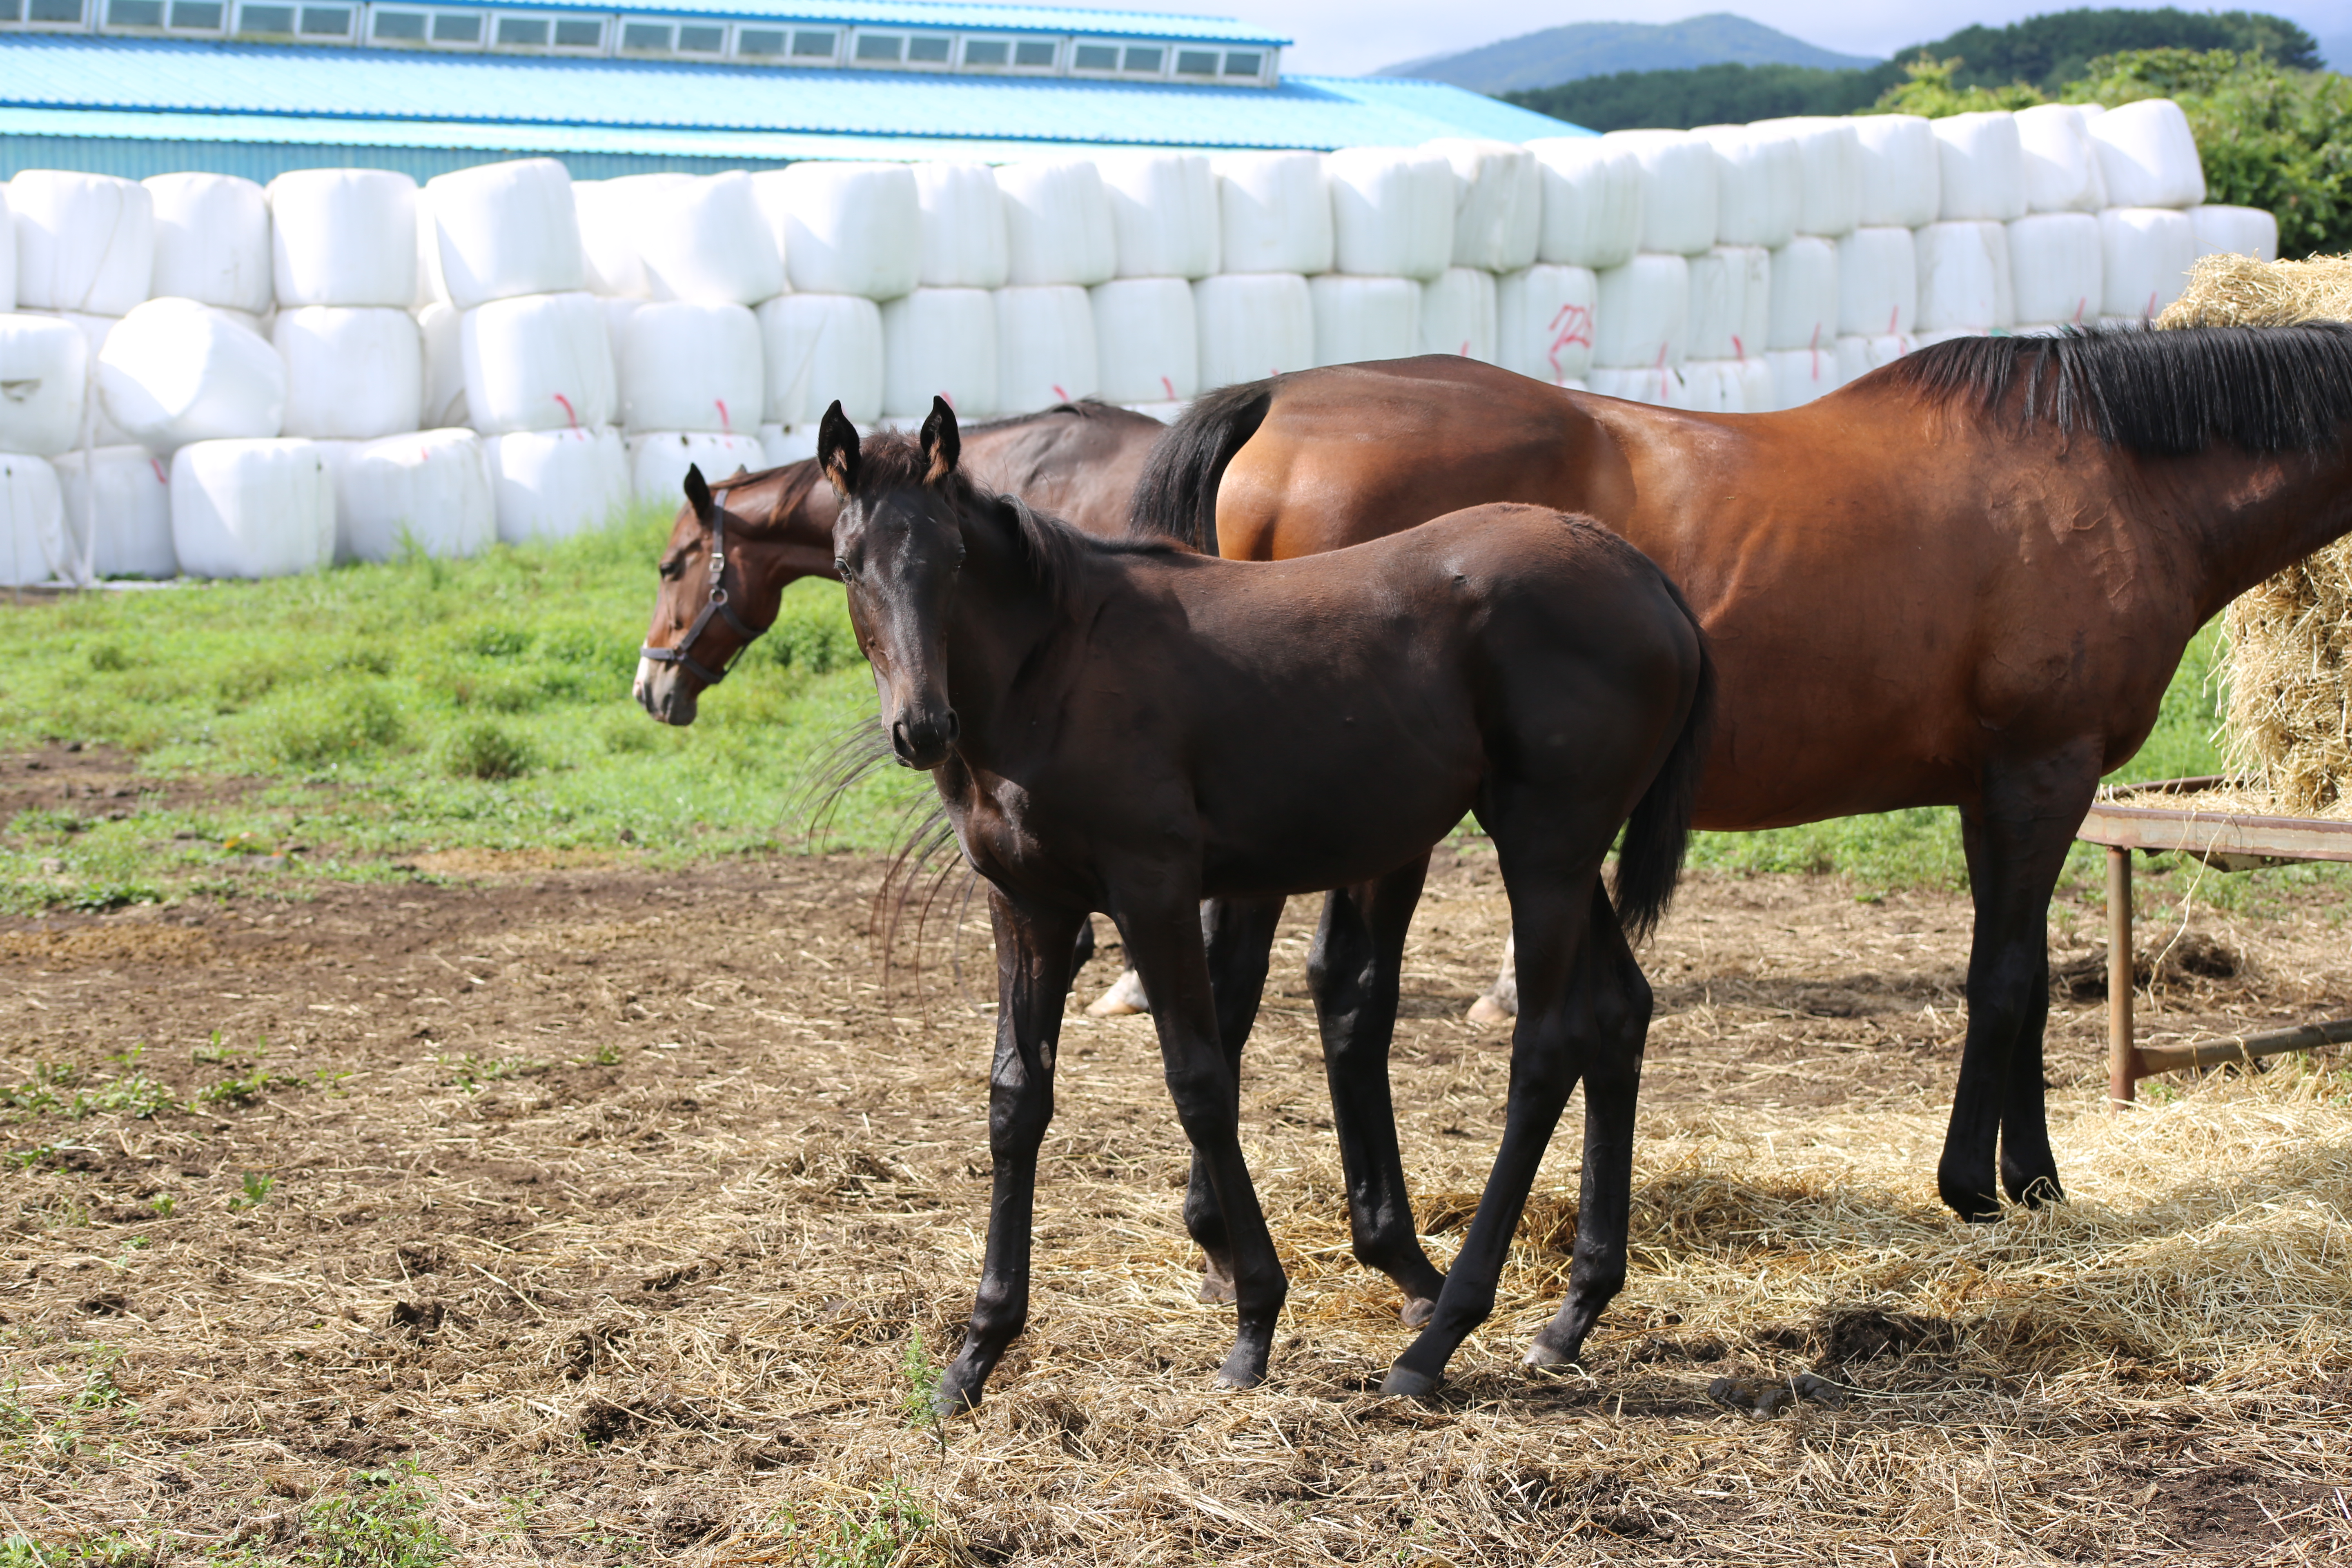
2250,515
1000,620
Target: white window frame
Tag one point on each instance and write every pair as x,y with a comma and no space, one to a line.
725,50
491,43
1266,64
81,24
477,44
621,46
602,45
1167,60
107,26
1118,47
237,29
763,25
857,37
359,19
793,30
955,51
219,29
1176,52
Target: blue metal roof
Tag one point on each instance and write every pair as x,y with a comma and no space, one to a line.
110,86
1057,19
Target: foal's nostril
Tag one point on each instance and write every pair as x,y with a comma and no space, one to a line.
951,729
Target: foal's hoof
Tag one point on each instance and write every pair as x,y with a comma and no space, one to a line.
1216,1285
1417,1311
1125,997
1543,1356
1404,1383
1489,1012
1246,1368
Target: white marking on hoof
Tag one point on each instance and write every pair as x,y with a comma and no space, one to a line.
1125,996
1488,1011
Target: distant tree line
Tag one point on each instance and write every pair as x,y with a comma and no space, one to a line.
2043,54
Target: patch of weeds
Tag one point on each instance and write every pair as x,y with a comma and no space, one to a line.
484,749
469,1072
164,1206
215,1053
383,1522
632,733
607,1055
40,1094
108,658
89,1551
237,1090
920,1404
844,1536
96,897
136,1095
338,722
495,639
45,820
258,1188
99,1390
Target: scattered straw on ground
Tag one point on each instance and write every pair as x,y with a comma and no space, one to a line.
615,1217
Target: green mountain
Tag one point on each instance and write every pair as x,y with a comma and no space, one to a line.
1596,49
2045,51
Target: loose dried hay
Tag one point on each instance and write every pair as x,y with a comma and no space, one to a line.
2287,729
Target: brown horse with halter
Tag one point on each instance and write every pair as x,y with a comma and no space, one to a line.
1078,461
1965,580
1135,726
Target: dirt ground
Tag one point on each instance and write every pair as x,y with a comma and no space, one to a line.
626,1209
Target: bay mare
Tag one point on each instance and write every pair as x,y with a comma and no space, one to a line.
1134,727
1078,461
1966,579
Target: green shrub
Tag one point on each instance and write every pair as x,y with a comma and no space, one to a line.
337,722
811,633
484,749
495,639
108,657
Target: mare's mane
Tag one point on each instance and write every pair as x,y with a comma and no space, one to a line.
2168,393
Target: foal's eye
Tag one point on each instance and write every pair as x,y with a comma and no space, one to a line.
841,569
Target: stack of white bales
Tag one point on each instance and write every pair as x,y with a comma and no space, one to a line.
1759,176
1879,261
1642,309
1166,237
1590,220
1392,229
855,250
2154,222
1257,316
1061,240
501,250
1800,335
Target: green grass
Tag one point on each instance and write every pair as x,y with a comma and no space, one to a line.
342,724
363,716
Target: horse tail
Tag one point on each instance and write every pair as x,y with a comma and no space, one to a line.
1650,856
1177,496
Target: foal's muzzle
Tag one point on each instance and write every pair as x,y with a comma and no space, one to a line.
923,742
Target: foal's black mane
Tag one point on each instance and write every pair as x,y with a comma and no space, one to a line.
2169,392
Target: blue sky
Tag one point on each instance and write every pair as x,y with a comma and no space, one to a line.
1349,36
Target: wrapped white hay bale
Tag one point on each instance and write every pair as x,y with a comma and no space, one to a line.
1758,185
551,484
939,343
84,242
1057,224
1147,340
782,444
1711,386
44,382
681,366
707,242
1592,200
252,507
1678,194
1360,319
2234,231
1804,285
541,362
1045,351
1858,355
1253,325
428,489
1498,203
1964,282
505,230
963,236
1982,167
212,241
2055,268
34,543
2148,157
1632,386
440,331
1163,212
658,460
1878,283
1392,211
2145,257
353,372
1166,412
7,253
1718,305
174,372
95,330
1830,151
612,229
1458,314
1543,321
1641,314
1758,391
1755,286
846,228
2061,162
120,499
1800,375
817,348
344,237
1273,213
1902,171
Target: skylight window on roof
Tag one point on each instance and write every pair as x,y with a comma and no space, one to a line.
929,49
134,13
197,15
646,38
1241,63
323,22
808,46
1034,54
397,27
1142,61
265,19
454,31
1196,62
987,54
1095,58
880,48
700,40
579,33
523,32
760,43
54,12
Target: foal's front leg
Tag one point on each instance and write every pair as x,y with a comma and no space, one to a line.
1033,948
1163,941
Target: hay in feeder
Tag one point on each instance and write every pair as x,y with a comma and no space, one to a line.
2289,640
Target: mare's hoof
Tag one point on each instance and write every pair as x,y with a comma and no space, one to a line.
1124,998
1751,1398
1404,1383
1489,1012
1543,1354
1216,1285
1418,1312
1241,1370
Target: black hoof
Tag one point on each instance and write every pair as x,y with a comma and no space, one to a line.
1244,1369
1404,1383
1417,1311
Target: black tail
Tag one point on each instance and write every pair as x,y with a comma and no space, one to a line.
1177,496
1650,856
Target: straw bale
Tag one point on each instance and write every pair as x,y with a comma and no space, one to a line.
2286,730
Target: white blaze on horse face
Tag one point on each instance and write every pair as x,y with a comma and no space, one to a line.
646,669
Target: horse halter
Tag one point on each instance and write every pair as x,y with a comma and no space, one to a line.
678,652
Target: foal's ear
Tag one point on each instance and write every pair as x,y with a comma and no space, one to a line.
942,443
697,493
836,449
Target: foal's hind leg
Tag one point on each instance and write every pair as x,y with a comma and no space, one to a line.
1237,935
1033,948
1354,971
1612,1083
